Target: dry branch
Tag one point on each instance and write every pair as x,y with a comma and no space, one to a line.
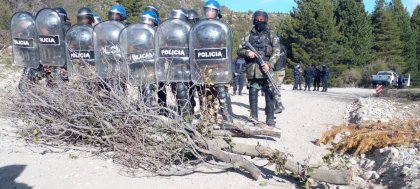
322,175
82,112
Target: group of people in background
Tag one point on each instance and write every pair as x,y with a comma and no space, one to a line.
311,73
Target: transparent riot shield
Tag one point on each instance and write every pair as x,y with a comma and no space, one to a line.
172,51
138,49
210,52
80,52
24,40
51,38
108,58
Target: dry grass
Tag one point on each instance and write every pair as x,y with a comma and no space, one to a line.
373,135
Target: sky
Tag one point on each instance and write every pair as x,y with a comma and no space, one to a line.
285,6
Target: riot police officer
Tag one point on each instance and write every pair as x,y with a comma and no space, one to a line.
65,19
262,38
172,62
308,74
145,89
25,46
297,74
212,11
85,16
155,10
193,16
118,13
317,77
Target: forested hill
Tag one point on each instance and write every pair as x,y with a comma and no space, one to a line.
339,33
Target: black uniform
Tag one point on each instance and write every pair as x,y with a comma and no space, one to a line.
317,78
308,74
238,75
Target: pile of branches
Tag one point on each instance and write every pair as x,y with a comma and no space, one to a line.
369,135
89,111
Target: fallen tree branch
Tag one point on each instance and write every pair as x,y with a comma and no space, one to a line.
322,175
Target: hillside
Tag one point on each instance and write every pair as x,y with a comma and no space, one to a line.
240,21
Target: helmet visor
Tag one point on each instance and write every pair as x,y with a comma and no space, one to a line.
210,12
114,16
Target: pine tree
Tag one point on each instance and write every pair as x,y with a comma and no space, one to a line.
356,30
387,43
407,36
134,8
415,25
312,34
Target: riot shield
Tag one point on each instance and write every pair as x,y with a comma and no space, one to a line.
138,49
80,52
25,40
211,52
172,57
51,38
108,58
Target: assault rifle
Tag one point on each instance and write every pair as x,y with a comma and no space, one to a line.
275,88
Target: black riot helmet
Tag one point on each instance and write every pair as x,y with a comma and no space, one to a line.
179,13
258,14
62,13
193,16
85,13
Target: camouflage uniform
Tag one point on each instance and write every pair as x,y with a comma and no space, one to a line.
267,45
279,74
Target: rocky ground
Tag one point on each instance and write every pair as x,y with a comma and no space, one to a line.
24,164
389,167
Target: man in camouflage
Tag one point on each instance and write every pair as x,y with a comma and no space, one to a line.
262,38
279,73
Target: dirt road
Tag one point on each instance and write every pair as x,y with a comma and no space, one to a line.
307,115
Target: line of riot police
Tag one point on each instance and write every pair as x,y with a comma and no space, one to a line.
182,51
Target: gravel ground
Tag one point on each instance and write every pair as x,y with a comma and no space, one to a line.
307,115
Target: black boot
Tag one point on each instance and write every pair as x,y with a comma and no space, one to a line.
146,94
279,108
253,103
181,94
224,101
269,107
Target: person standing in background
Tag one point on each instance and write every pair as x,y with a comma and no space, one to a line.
308,74
297,73
238,75
317,77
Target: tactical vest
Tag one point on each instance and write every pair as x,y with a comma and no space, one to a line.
262,43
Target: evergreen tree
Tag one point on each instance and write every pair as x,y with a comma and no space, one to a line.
387,43
312,33
415,25
356,30
134,9
407,35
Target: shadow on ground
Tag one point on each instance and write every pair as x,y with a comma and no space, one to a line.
8,175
